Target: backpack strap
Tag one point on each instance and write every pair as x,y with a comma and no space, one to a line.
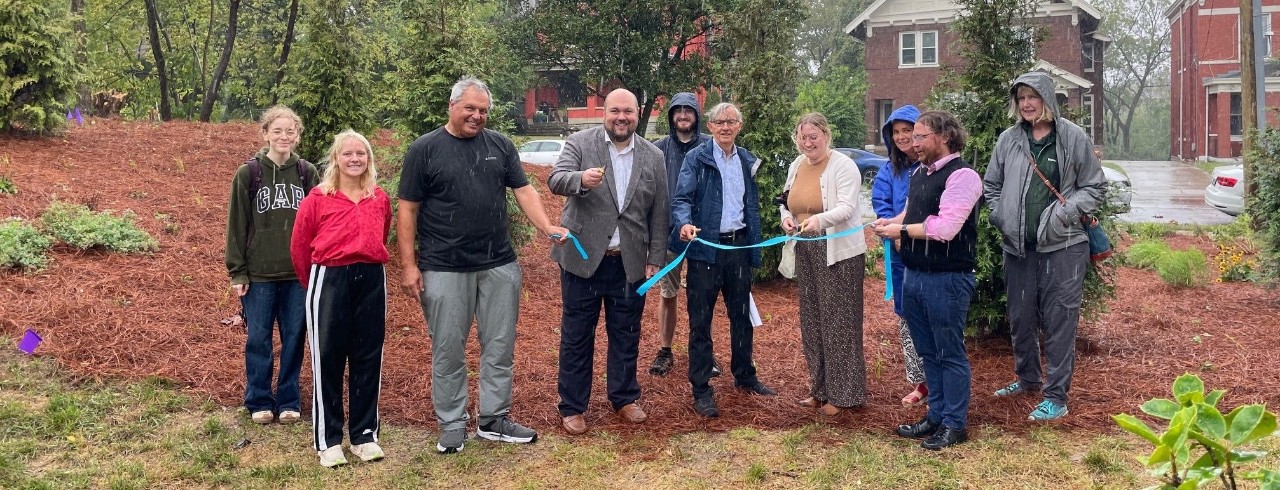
303,172
255,183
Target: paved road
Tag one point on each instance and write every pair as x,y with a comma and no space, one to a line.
1169,192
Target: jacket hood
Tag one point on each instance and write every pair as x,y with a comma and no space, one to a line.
1042,84
908,113
686,99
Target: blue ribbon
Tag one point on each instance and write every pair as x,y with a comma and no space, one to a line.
888,270
576,243
644,288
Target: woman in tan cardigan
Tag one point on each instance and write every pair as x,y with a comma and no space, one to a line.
822,199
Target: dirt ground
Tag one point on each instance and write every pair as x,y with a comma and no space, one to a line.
131,316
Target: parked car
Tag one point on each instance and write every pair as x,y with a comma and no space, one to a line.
1119,190
868,163
541,152
1226,189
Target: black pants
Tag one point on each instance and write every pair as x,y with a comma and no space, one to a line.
729,275
623,309
346,325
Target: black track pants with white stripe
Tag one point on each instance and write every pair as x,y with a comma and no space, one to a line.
346,325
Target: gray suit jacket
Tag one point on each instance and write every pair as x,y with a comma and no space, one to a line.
593,214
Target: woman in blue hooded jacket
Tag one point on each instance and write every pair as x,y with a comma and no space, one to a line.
889,198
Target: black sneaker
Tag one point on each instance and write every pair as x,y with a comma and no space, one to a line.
452,441
662,363
706,406
503,429
715,368
758,389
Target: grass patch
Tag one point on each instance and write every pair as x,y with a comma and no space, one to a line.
149,434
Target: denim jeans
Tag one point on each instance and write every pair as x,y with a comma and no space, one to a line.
265,305
936,305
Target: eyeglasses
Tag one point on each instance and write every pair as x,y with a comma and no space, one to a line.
920,137
278,132
722,122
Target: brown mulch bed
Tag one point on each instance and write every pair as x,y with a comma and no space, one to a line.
130,316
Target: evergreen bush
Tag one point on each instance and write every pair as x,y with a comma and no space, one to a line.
37,72
1264,205
22,245
79,227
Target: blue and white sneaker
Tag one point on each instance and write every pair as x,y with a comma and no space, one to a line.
1048,410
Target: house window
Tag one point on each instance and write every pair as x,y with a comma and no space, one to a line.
884,107
1086,120
1267,34
1087,55
918,48
1237,123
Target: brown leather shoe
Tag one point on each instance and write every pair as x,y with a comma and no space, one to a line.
574,424
829,410
810,402
632,413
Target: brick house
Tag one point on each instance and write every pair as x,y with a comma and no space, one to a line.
908,41
1204,97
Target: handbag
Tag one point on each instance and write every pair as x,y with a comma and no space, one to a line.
787,266
1099,243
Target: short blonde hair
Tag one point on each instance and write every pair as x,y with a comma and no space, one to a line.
329,183
818,121
277,112
1046,114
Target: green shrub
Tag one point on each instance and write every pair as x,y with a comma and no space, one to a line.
6,186
21,245
1145,255
37,70
79,227
1264,204
1202,444
1149,231
1183,268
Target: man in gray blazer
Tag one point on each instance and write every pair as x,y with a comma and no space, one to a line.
616,187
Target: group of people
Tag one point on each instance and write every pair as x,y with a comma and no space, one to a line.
307,252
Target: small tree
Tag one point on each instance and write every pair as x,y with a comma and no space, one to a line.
993,43
328,86
761,72
37,69
1264,205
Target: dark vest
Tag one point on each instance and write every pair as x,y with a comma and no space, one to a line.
923,198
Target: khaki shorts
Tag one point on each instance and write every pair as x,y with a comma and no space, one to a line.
671,282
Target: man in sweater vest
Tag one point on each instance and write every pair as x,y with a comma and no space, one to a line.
937,234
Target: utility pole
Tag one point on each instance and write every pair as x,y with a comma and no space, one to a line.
1248,89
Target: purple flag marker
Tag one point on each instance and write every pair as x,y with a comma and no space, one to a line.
29,342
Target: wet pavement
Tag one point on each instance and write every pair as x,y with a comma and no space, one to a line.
1169,192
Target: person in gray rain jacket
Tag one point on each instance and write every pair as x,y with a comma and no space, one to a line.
1046,249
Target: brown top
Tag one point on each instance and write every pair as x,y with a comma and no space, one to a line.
805,198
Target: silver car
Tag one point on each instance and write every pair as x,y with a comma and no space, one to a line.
1119,190
1226,189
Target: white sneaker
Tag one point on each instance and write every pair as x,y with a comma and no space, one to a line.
369,451
263,417
332,457
289,416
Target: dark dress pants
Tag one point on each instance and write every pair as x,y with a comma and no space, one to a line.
729,275
623,309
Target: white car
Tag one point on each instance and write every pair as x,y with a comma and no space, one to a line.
541,152
1119,190
1226,189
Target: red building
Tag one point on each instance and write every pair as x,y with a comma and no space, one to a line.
1205,106
908,42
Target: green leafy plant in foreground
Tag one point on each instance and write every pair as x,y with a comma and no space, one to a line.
81,228
21,245
1196,426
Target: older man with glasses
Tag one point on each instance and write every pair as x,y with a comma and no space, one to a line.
716,200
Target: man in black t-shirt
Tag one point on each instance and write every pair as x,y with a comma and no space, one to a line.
453,208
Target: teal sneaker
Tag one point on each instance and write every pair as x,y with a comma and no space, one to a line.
1014,388
1048,410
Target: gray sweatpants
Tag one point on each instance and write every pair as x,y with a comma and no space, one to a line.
1044,291
449,302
